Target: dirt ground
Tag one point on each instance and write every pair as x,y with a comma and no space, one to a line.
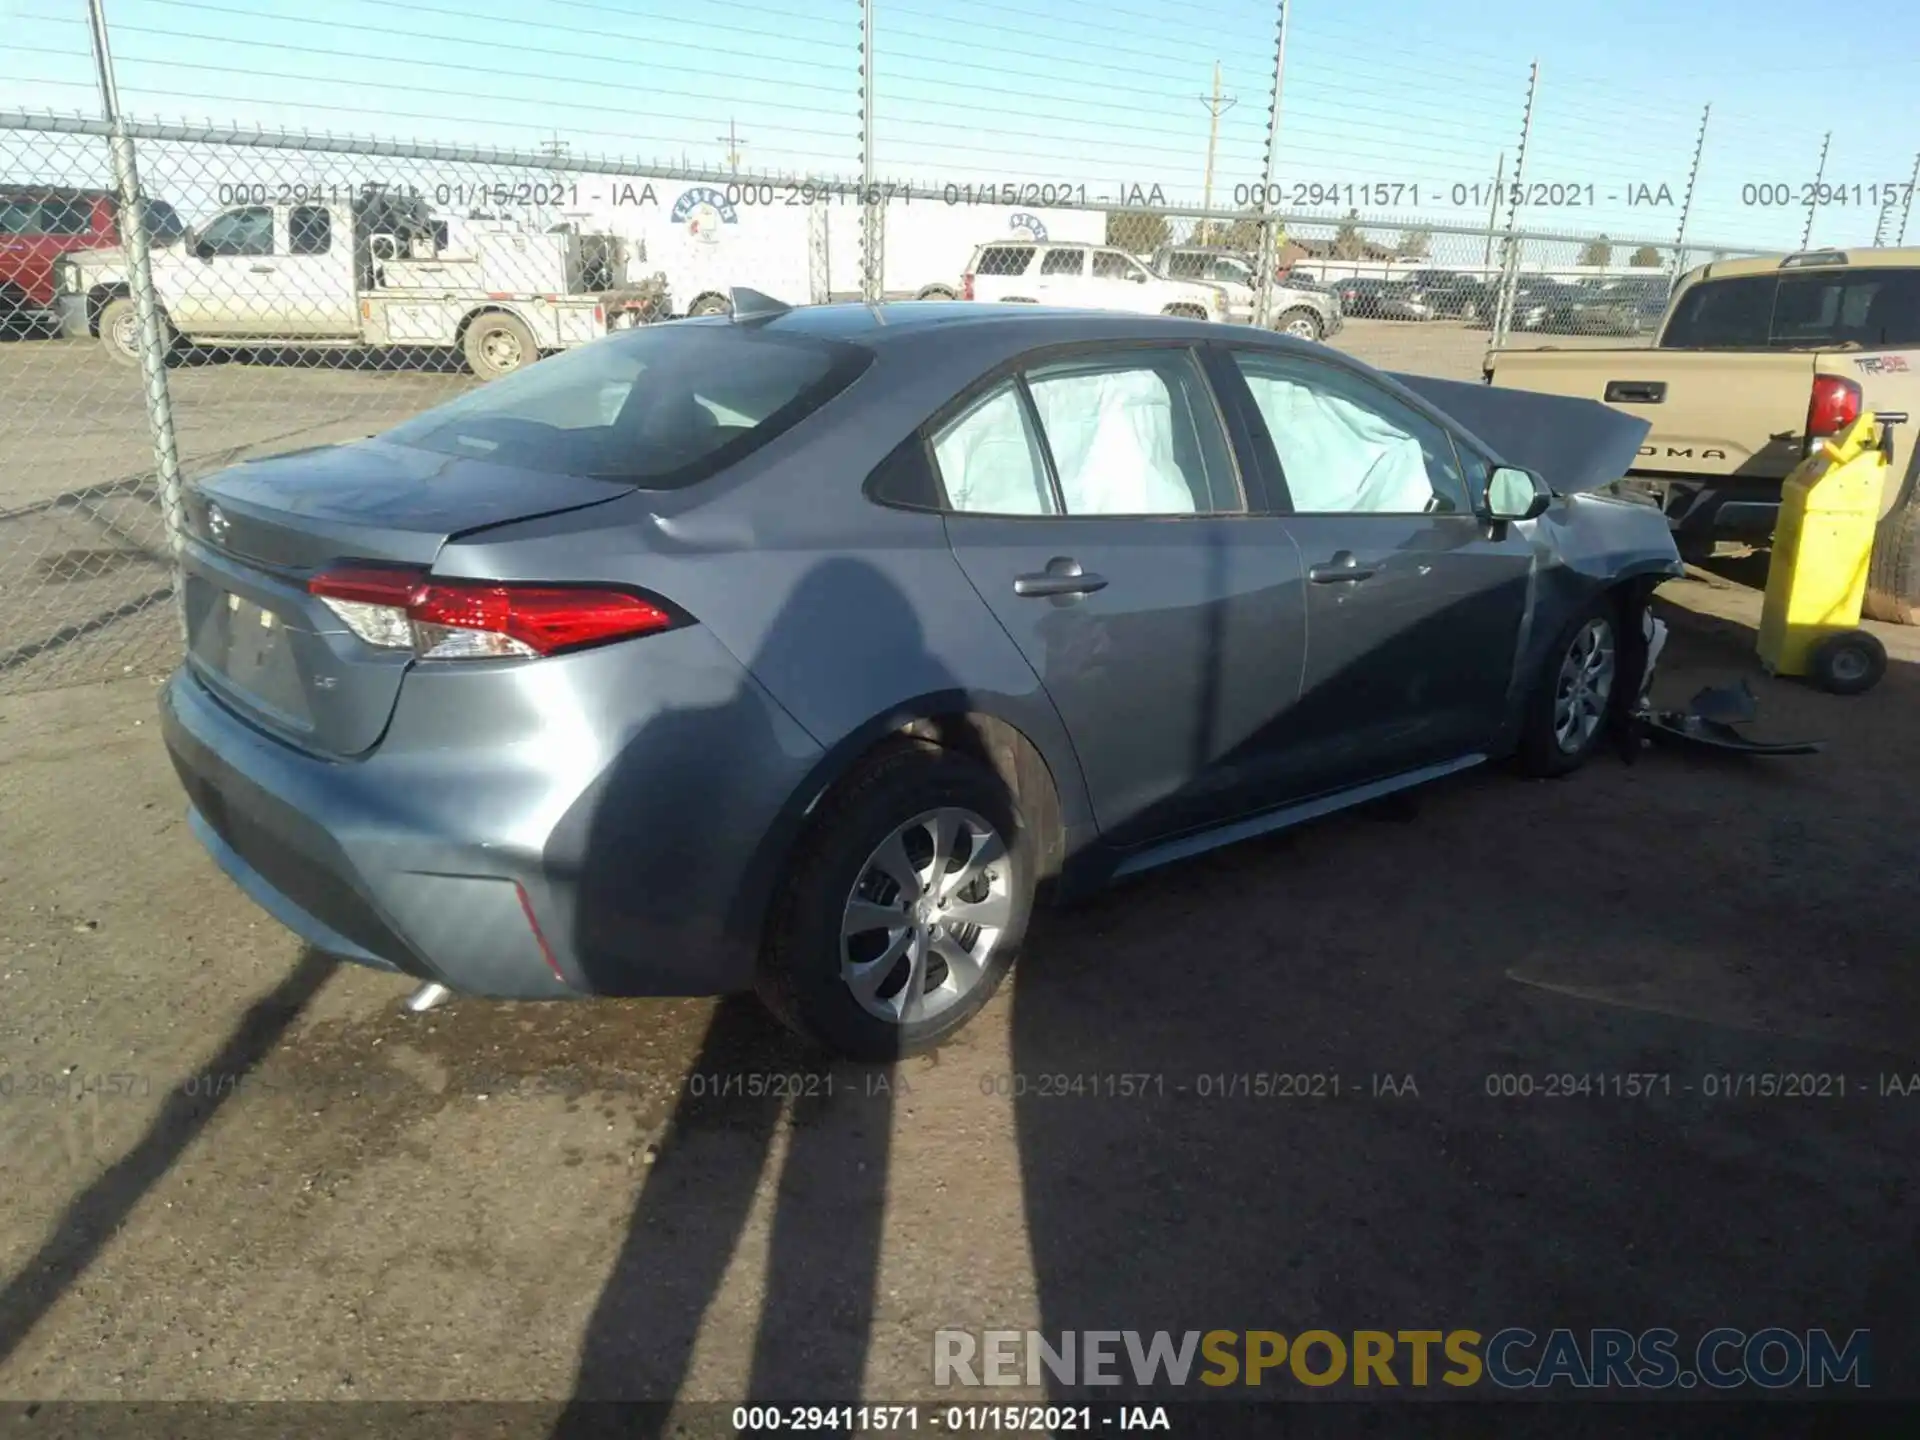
239,1172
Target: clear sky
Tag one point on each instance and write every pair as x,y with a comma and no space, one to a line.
1421,100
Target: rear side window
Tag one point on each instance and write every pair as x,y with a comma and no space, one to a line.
309,230
1843,307
1064,262
1004,260
659,407
1732,313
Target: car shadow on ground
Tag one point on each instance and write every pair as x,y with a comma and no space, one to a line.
1501,1066
1288,998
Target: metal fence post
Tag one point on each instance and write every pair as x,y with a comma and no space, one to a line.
1906,209
1269,249
1813,199
1686,201
819,270
1510,246
153,348
873,220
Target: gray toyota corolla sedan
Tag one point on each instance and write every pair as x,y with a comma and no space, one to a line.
800,651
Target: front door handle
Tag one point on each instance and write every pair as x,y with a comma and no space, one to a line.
260,269
1063,576
1343,569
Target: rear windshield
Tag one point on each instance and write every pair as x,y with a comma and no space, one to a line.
659,407
1870,306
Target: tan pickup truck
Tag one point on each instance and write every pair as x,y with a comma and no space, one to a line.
1754,361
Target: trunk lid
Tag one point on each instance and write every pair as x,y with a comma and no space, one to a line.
258,531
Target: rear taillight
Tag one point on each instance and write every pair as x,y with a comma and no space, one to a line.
478,619
1834,407
966,286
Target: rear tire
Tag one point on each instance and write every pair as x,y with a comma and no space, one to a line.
1301,324
1185,312
120,332
1574,699
711,305
1893,575
828,928
938,292
498,344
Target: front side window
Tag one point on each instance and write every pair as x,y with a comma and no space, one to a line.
1134,435
1064,262
990,460
309,230
1346,447
1112,265
239,232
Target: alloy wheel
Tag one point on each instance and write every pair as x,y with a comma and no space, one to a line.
1584,686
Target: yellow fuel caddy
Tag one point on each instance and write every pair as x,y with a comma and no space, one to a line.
1817,578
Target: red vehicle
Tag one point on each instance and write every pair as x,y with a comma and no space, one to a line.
39,224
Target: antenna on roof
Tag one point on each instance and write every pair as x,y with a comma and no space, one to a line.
752,305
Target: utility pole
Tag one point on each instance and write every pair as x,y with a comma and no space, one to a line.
734,142
1217,105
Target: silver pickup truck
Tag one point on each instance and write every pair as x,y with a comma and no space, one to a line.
1311,314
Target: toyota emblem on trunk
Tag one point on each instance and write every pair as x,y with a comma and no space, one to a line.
217,524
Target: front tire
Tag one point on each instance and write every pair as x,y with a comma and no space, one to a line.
710,305
1185,312
904,907
498,344
1574,699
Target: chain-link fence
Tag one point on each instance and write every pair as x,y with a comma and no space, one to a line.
309,290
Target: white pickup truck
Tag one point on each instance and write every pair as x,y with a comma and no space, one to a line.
373,271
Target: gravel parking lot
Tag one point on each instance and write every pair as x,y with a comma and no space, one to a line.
240,1171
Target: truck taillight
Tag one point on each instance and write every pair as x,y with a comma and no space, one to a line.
400,609
1834,408
966,286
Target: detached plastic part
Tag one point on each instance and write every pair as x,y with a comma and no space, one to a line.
1710,717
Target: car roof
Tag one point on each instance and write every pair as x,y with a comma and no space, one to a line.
1852,258
899,324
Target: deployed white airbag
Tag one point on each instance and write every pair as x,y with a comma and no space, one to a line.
1340,458
1112,438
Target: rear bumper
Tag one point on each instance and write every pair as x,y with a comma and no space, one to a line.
1714,508
586,855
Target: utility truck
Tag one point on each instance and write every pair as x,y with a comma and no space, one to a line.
371,270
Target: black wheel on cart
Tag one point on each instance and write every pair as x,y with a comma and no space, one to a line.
1848,663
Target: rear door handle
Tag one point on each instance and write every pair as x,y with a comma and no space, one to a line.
1342,569
1635,392
1063,576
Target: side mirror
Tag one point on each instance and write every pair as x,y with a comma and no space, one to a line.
1516,494
201,249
